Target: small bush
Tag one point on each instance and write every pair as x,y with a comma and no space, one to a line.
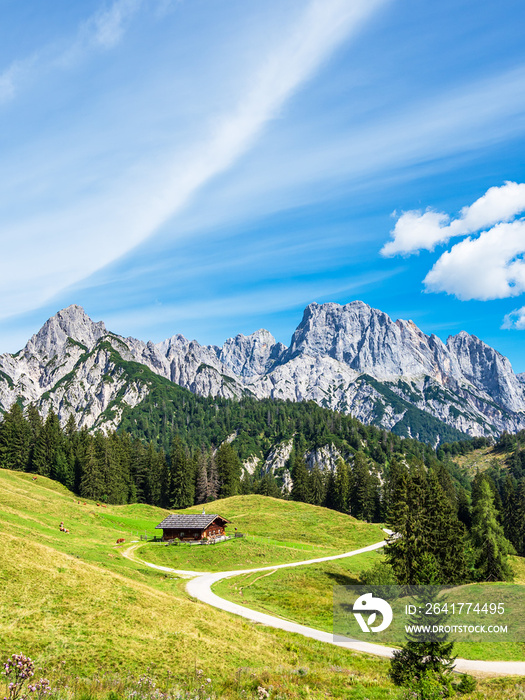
429,686
467,684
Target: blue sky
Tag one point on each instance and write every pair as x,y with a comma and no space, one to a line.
210,167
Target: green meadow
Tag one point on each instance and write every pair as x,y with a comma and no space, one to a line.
276,532
305,595
95,622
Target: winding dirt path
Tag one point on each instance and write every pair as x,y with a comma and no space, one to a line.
200,583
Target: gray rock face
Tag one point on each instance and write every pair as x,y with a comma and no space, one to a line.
350,358
251,355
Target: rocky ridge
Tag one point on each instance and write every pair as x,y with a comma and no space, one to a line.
350,358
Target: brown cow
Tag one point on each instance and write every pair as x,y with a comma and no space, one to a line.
120,540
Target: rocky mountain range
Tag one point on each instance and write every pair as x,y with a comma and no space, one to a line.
350,358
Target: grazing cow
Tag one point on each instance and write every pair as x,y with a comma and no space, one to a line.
120,540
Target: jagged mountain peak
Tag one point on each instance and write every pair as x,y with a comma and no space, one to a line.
69,323
251,355
350,357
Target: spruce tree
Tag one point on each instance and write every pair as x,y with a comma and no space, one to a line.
229,470
182,479
424,653
317,486
268,486
446,535
92,483
300,480
46,447
15,440
363,496
341,497
213,478
490,544
201,477
407,517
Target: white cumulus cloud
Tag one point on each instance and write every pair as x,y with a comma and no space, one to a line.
416,231
490,266
515,319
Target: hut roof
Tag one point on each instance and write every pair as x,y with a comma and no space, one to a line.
180,520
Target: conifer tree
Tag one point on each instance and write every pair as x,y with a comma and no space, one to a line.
317,486
446,535
92,484
15,440
300,479
47,445
490,544
363,496
268,486
182,478
229,470
519,542
341,497
464,513
407,517
429,651
510,512
330,498
213,478
201,478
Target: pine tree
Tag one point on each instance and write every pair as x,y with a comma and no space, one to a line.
330,498
446,535
46,447
268,486
213,478
201,478
300,480
427,652
92,483
228,470
490,544
363,496
317,486
182,478
15,440
512,520
406,551
341,497
520,517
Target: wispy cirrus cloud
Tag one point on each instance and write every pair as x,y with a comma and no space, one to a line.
119,212
101,31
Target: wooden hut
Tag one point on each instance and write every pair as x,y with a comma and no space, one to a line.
192,527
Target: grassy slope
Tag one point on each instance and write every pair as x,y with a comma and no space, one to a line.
277,532
305,595
74,598
480,459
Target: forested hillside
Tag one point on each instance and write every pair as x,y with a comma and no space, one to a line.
196,455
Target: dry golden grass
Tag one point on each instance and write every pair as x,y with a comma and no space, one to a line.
480,460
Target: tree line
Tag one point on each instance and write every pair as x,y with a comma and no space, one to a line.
116,468
452,529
